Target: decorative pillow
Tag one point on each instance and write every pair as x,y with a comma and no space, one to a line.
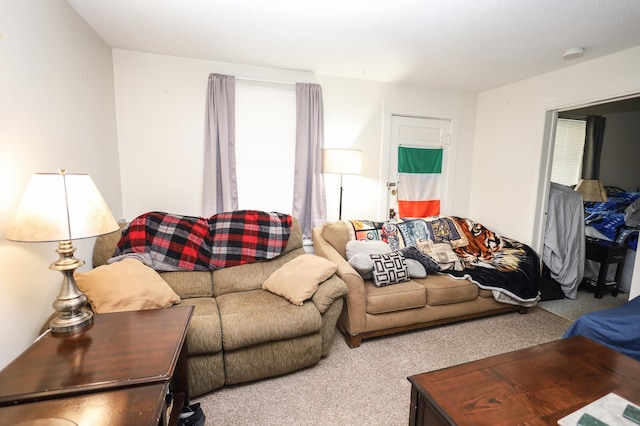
363,264
442,252
429,263
298,279
366,247
389,268
127,285
358,252
415,269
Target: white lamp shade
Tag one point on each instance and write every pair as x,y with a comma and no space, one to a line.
60,207
342,161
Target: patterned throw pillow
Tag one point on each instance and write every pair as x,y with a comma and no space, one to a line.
389,268
442,252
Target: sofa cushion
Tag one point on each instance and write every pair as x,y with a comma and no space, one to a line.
488,294
250,276
190,284
389,268
127,285
443,289
258,316
407,295
298,279
330,290
204,335
105,245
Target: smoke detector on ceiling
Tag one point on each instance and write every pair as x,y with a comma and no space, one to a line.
573,53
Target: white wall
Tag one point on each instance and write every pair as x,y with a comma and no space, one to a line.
160,113
56,111
510,137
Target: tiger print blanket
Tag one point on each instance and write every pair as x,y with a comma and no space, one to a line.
510,269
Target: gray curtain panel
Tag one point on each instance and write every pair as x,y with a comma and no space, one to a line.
220,190
593,147
309,198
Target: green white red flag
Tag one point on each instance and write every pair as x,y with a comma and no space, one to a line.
419,181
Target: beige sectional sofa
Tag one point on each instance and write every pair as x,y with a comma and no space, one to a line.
372,311
240,332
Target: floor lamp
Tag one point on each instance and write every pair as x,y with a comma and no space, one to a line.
342,162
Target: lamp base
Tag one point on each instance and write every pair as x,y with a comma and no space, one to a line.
67,322
71,302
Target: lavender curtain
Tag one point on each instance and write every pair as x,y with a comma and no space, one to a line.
309,198
593,143
220,191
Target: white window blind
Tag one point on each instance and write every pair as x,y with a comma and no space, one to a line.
265,145
568,150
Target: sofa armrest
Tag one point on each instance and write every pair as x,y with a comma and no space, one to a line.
356,298
328,291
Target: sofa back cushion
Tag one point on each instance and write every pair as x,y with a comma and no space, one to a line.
337,234
295,238
105,246
190,284
250,276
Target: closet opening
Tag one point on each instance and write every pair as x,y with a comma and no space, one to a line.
616,170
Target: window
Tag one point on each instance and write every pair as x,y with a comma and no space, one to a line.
566,168
265,145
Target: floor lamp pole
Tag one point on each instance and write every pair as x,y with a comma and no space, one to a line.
340,206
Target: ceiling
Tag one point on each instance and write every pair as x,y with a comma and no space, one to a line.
470,45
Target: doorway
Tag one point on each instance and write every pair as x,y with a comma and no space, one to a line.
613,170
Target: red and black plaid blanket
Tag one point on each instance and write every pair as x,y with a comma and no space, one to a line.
169,242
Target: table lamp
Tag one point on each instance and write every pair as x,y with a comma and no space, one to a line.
63,207
592,190
342,162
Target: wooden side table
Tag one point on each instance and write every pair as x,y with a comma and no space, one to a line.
120,350
132,406
606,253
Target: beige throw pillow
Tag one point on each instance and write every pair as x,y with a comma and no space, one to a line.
127,285
298,279
442,253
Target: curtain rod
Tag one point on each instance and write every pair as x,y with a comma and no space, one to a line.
266,81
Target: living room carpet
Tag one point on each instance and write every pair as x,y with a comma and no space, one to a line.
572,309
368,385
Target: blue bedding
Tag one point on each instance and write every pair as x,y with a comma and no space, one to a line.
617,328
608,218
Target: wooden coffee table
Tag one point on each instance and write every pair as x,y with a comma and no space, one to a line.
533,386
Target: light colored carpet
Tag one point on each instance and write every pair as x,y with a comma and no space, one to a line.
584,302
368,385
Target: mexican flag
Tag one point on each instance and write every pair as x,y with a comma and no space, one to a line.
419,175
